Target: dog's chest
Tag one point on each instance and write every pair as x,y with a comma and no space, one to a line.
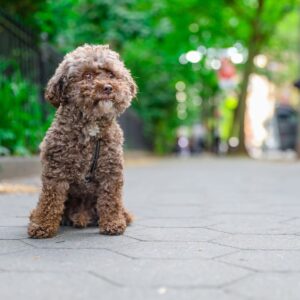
93,130
91,152
90,132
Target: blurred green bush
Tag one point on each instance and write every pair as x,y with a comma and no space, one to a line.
21,122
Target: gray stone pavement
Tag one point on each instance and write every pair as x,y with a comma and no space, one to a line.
205,229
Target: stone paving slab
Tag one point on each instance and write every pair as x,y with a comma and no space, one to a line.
205,229
266,261
269,286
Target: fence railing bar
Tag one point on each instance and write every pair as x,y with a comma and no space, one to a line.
16,23
32,46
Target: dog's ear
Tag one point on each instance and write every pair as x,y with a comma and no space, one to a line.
55,90
133,87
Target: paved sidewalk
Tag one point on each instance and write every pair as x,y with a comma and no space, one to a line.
211,229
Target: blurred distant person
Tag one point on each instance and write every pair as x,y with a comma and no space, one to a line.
287,121
215,130
216,141
297,84
198,138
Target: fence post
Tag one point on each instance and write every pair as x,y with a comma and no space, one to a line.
42,79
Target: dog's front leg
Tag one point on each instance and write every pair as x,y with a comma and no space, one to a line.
112,216
46,217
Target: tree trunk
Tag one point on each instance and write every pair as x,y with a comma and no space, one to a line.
253,50
242,100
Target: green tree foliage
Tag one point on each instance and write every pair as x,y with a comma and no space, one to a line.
23,10
152,35
284,48
21,124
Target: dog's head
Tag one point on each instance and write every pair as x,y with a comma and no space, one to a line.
94,79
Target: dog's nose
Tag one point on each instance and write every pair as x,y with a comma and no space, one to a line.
107,88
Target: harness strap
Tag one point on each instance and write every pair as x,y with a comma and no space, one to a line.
89,176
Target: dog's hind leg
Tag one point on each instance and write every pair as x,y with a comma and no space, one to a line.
80,218
83,214
65,220
128,217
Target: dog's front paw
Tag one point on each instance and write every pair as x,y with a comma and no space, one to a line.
37,231
115,227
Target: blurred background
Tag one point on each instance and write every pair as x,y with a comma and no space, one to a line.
218,76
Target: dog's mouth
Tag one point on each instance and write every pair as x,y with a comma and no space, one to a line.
103,100
104,105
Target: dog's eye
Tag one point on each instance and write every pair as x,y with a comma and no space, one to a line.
111,75
88,75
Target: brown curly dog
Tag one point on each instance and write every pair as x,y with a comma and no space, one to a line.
82,156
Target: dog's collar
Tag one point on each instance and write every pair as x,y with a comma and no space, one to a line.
90,175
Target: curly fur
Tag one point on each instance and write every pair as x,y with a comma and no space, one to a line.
90,88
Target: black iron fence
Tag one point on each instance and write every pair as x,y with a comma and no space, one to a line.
37,61
19,45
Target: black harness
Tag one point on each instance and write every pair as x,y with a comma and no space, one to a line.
90,175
